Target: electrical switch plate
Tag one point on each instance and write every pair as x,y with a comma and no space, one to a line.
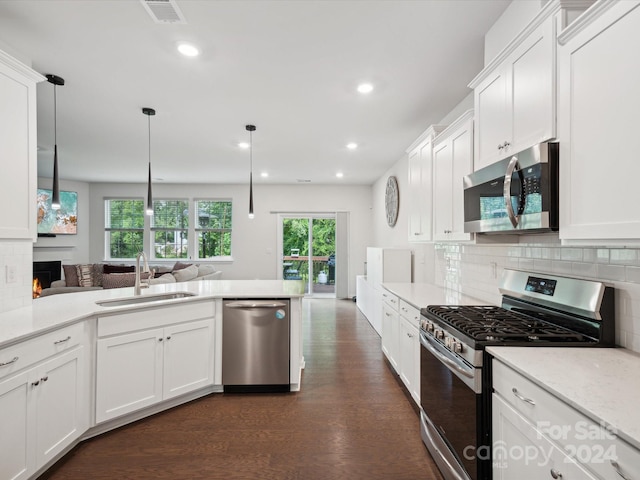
11,273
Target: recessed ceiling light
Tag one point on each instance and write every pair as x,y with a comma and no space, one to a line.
188,50
243,145
264,174
365,88
352,146
339,174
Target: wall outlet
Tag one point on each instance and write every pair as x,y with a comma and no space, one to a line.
11,273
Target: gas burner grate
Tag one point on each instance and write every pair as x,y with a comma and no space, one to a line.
489,323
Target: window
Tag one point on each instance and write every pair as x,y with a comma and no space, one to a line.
170,228
213,226
124,227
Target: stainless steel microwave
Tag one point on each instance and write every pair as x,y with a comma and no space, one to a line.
518,194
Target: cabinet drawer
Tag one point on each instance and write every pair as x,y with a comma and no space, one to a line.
154,317
24,354
410,313
390,299
583,439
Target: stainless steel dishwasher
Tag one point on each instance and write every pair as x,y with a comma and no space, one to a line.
255,345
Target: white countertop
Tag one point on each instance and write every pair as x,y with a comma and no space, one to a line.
48,313
602,383
422,294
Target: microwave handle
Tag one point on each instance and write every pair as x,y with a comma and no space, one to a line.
513,164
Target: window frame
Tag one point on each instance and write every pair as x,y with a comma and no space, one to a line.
153,229
197,230
109,229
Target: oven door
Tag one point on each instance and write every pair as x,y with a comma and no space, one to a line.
451,401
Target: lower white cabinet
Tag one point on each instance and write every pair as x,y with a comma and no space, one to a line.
409,344
522,451
141,368
537,435
44,407
390,327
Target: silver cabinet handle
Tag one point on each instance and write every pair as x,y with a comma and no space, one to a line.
500,147
521,397
160,339
58,342
555,473
36,383
618,470
169,337
45,378
13,360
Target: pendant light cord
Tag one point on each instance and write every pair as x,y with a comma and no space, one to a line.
55,115
149,129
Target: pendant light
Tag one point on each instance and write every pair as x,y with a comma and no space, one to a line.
251,129
55,195
149,112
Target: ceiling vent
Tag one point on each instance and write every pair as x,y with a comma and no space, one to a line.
163,11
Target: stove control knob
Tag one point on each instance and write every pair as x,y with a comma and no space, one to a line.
457,347
430,327
439,334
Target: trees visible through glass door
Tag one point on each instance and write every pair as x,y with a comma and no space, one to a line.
308,253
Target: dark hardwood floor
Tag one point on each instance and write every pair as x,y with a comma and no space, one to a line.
351,420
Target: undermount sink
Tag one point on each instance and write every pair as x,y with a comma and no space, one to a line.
119,302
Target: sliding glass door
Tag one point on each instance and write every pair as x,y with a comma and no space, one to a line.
309,252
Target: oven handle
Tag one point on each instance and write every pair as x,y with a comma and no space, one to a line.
426,342
451,470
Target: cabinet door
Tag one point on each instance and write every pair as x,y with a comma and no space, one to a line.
17,441
522,451
188,357
598,126
388,317
493,107
442,181
461,165
60,404
415,196
408,335
532,89
129,373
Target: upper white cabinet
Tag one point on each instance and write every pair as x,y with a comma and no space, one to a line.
18,155
599,74
452,160
420,166
514,95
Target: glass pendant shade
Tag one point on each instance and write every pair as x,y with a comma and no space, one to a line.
251,129
55,189
149,207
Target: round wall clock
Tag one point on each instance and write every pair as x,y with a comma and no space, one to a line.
392,201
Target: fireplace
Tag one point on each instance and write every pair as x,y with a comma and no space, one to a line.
44,273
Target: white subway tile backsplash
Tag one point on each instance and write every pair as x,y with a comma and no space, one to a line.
611,272
623,256
602,255
571,254
588,270
542,265
633,274
561,267
526,264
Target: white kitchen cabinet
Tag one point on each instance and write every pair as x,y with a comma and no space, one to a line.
526,417
18,155
599,74
452,160
44,406
409,345
139,366
514,96
522,451
390,328
420,167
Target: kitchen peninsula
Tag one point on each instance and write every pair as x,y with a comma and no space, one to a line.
71,368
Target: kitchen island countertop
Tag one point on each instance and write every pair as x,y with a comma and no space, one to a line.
55,311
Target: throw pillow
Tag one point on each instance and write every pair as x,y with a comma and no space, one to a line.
205,270
186,274
181,266
70,276
166,278
97,274
120,280
118,268
85,275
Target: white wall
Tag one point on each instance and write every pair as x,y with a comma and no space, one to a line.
67,248
254,241
17,255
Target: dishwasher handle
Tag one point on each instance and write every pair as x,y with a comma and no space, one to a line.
249,304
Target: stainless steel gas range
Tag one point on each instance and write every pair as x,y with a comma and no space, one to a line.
455,373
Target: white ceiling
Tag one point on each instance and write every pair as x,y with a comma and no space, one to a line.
289,67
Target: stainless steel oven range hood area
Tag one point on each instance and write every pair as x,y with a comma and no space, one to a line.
518,194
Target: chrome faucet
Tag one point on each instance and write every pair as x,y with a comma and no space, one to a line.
141,283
